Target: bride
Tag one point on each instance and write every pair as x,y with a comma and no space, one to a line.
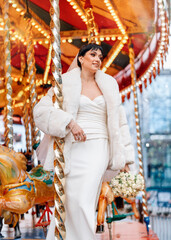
96,134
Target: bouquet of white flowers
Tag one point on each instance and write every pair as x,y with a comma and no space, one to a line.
127,185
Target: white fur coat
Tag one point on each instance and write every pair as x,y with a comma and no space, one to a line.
53,122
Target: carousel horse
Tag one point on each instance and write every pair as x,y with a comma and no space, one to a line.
106,198
21,190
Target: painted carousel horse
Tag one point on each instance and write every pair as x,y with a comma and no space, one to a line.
107,197
20,190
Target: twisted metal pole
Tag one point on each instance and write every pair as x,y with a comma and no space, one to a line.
91,25
139,144
25,107
8,79
35,133
59,179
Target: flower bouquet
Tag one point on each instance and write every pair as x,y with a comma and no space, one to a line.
127,185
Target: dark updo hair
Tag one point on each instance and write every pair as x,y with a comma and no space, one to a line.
86,48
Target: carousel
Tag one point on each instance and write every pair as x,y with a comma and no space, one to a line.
39,40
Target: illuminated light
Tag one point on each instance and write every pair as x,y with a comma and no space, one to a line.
22,40
25,43
68,0
64,40
22,13
14,5
109,7
107,38
101,38
84,39
46,42
113,38
79,13
45,34
119,38
34,42
39,29
74,6
48,36
42,32
71,3
77,10
124,40
2,23
33,23
1,28
36,26
70,40
2,91
18,9
13,38
40,42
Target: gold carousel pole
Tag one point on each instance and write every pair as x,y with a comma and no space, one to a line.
25,107
137,121
8,109
91,25
35,133
59,179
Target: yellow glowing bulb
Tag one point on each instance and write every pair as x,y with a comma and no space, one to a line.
64,40
107,38
69,40
119,38
83,39
101,38
14,5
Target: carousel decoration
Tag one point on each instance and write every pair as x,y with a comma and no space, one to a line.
8,109
137,121
59,164
31,72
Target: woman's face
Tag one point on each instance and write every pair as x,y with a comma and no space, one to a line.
92,60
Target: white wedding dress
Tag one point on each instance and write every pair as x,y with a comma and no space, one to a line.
89,161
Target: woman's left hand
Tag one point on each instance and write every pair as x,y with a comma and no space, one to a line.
125,169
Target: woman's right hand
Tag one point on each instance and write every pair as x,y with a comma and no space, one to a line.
77,131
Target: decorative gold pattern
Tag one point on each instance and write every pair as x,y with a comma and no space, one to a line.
8,113
91,26
59,180
136,111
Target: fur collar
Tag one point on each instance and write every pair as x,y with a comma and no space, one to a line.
72,90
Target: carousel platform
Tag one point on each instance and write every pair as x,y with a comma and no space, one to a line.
122,230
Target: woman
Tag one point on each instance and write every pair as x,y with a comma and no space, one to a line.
96,134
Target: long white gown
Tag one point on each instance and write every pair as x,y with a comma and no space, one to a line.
89,161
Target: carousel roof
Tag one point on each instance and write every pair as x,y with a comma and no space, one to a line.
115,23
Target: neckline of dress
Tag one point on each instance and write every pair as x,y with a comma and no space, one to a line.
90,99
